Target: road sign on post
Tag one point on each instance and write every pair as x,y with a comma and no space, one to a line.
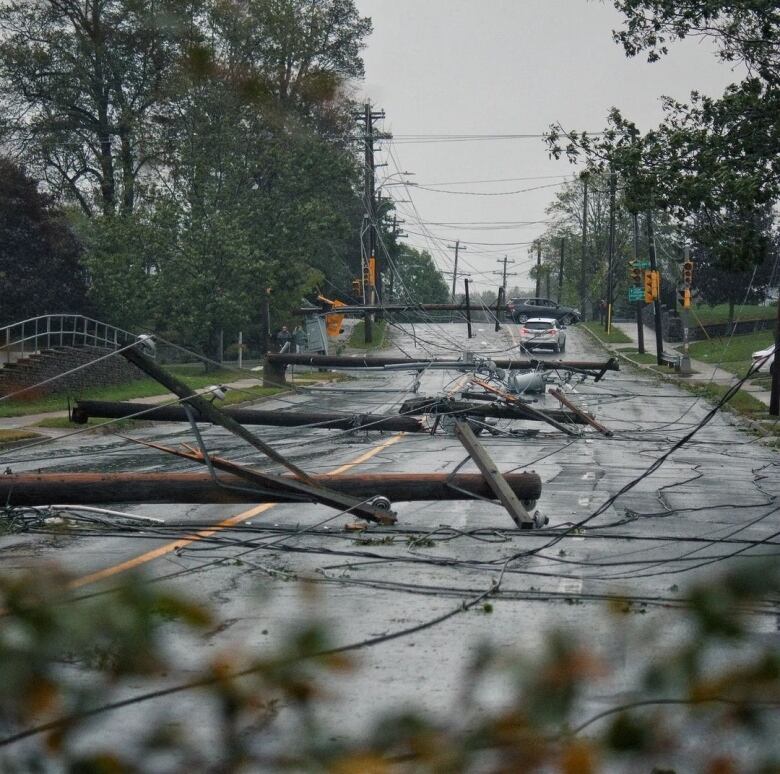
636,294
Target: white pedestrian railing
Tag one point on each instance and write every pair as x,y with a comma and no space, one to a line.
28,337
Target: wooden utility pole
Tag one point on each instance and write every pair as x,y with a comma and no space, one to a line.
43,489
640,323
538,269
372,270
611,253
584,267
455,269
659,341
774,398
468,308
560,270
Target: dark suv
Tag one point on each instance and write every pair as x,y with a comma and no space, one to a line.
520,309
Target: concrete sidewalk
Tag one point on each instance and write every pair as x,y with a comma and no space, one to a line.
703,373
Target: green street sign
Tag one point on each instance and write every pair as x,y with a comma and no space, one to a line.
636,294
640,264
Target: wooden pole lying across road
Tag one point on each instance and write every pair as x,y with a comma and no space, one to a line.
95,488
84,409
405,422
528,364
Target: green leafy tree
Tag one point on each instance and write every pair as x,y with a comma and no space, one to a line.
416,278
39,252
711,163
82,81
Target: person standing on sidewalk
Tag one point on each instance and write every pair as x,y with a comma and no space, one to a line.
284,339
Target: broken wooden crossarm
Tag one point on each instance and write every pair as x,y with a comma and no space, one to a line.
304,485
105,488
558,395
512,400
84,409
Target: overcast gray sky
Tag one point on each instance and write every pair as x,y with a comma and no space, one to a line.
460,67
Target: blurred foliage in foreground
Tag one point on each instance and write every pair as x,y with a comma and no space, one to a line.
67,665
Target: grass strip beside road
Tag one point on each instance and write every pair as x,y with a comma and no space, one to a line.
742,403
616,336
733,353
13,435
378,335
710,315
147,388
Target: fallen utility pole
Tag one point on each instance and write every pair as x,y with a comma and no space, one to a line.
586,418
305,485
84,409
349,361
97,488
501,489
276,364
361,308
516,410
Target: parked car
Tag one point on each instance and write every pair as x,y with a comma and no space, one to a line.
522,309
543,332
764,359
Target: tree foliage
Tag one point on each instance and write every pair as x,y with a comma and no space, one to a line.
417,280
209,146
39,253
714,164
81,84
706,701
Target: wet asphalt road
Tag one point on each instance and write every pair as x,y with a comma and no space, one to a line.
647,546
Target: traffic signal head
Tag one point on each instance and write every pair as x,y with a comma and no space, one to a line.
648,285
656,278
357,287
687,272
635,276
684,297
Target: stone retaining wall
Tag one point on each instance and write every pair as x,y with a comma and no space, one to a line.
53,362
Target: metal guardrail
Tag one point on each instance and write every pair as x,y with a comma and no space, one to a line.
28,337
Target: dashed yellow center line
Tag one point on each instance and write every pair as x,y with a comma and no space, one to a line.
175,545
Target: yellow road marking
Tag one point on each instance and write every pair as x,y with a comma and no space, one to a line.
168,548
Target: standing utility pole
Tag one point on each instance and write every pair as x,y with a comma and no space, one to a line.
774,397
659,342
538,269
468,308
505,260
611,253
455,269
584,268
560,271
372,274
501,298
640,323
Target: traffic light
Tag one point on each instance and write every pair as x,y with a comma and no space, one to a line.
684,297
634,276
648,286
357,288
687,272
656,280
